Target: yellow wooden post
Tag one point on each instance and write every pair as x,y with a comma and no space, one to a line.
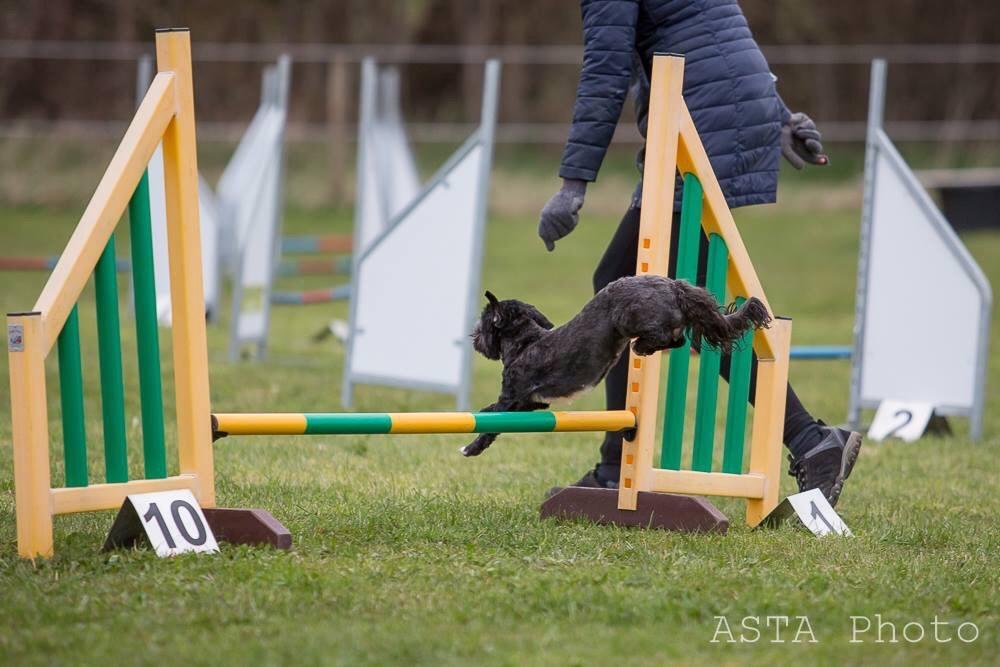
29,412
180,170
659,174
769,420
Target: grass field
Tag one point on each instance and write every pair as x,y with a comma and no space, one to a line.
406,553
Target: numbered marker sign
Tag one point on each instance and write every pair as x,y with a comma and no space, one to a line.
811,509
170,521
906,420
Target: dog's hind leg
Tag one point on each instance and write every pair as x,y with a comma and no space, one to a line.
484,440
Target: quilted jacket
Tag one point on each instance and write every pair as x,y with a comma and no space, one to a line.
728,88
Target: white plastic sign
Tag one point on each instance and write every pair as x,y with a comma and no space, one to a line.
171,521
816,514
811,509
906,420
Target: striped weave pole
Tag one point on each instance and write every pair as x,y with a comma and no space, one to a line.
319,266
47,264
298,423
338,293
332,243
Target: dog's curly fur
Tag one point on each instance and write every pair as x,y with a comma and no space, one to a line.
542,363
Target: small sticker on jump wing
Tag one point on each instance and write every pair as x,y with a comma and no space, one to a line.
15,338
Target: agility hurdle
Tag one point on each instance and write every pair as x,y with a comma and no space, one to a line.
308,297
674,148
314,266
388,186
647,495
304,245
166,113
254,222
18,264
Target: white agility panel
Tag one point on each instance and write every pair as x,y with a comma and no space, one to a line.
208,217
923,304
209,222
410,324
252,203
389,181
415,284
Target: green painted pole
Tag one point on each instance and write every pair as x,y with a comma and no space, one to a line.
711,360
147,335
109,347
740,365
71,398
680,358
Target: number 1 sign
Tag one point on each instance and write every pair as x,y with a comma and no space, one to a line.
810,509
171,521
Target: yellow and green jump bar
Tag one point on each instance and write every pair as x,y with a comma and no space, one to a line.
298,423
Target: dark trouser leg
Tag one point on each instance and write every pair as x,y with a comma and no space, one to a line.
800,430
618,261
798,421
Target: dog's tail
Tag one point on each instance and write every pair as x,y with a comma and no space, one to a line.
702,315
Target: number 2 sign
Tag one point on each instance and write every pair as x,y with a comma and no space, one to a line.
171,521
906,420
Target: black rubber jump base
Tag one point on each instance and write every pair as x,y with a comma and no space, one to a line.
247,526
665,511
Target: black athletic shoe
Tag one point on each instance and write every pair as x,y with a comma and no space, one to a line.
828,464
594,480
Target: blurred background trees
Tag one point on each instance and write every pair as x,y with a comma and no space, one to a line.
533,92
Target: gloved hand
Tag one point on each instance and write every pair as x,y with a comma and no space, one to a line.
562,213
800,142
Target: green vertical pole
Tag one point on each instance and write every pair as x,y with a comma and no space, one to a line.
680,358
146,332
740,365
711,359
71,398
109,347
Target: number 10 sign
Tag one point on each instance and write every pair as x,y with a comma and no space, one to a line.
171,521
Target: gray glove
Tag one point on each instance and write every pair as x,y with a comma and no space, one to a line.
562,213
800,141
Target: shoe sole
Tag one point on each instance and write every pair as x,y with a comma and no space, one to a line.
851,450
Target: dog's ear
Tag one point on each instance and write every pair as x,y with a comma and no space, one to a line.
492,299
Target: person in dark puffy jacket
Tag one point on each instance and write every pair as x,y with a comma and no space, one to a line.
744,126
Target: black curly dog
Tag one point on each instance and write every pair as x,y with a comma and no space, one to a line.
542,363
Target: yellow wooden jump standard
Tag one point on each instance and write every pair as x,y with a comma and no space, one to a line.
673,147
166,114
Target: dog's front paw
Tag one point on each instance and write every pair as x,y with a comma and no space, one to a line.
471,450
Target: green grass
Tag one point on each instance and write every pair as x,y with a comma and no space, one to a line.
406,553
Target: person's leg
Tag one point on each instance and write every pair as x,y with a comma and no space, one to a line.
617,262
801,430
